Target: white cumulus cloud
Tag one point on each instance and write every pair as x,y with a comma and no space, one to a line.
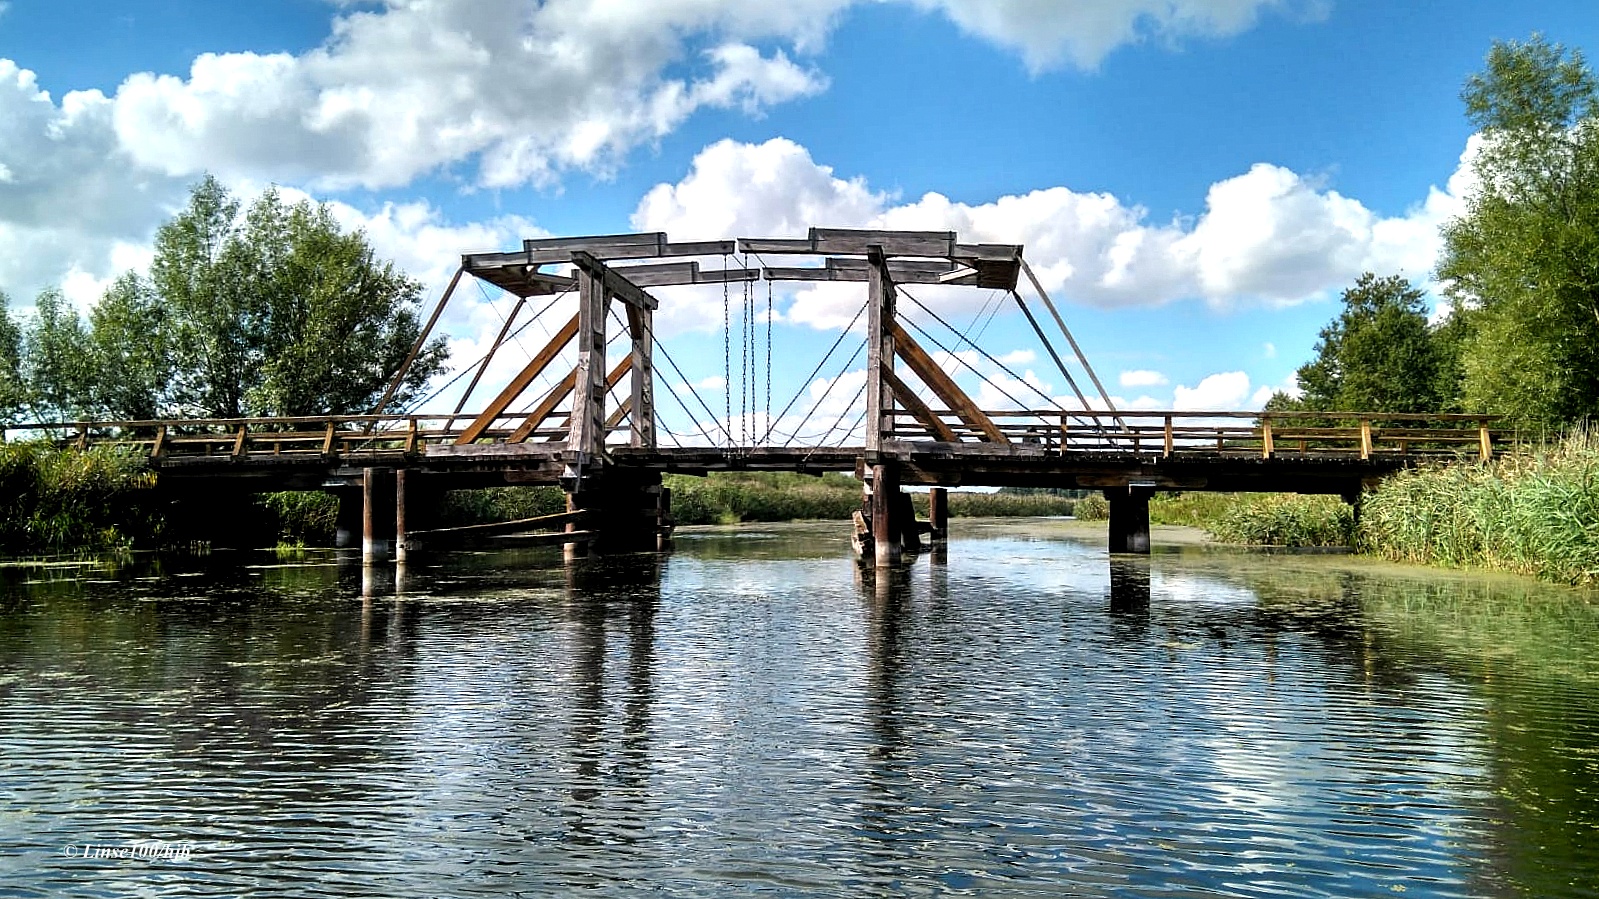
1268,236
1142,378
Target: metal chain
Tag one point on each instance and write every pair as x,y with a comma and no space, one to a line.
768,354
727,357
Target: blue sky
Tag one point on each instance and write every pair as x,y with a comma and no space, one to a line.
1194,179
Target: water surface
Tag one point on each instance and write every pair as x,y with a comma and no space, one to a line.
752,714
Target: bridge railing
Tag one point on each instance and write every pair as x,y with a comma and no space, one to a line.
1262,434
1151,433
309,437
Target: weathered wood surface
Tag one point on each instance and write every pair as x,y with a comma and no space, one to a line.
508,395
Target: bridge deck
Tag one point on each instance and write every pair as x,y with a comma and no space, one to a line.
1167,449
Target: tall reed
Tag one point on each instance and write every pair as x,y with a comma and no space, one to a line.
58,500
1534,511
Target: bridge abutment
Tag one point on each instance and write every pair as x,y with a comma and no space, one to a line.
627,512
1129,518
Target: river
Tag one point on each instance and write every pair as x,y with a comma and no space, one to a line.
751,714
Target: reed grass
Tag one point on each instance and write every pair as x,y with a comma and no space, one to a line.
58,500
1534,512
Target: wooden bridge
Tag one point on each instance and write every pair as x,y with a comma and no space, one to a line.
602,442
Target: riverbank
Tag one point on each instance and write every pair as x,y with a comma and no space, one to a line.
1532,512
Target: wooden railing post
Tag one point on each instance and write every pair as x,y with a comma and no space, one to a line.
160,444
1365,438
238,441
327,439
1485,441
1265,437
83,437
1167,451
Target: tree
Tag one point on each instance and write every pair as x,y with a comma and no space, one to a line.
1378,355
1521,263
55,365
13,392
129,352
278,313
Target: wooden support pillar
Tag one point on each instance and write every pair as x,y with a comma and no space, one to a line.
879,353
640,325
347,524
886,529
628,511
938,513
1129,519
401,493
586,438
377,514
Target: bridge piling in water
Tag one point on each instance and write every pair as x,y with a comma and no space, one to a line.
378,514
938,514
1129,518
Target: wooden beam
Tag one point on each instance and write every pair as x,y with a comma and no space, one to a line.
854,242
585,434
617,414
943,385
613,283
611,381
903,271
641,398
673,273
775,246
489,529
618,246
545,408
920,410
879,354
535,366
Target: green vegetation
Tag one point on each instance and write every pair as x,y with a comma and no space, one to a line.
1522,263
729,497
1532,513
274,310
1380,355
60,500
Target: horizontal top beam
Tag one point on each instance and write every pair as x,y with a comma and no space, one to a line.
615,284
652,245
672,273
513,274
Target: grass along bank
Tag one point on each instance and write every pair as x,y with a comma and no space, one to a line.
1532,512
58,501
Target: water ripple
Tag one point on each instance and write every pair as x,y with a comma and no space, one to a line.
757,716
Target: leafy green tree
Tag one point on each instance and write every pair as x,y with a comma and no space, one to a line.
56,368
13,392
1522,261
1378,355
211,313
130,353
281,312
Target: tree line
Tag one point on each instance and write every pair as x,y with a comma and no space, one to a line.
1519,268
270,310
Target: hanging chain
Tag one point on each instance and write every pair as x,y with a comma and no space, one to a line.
768,356
747,406
727,357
